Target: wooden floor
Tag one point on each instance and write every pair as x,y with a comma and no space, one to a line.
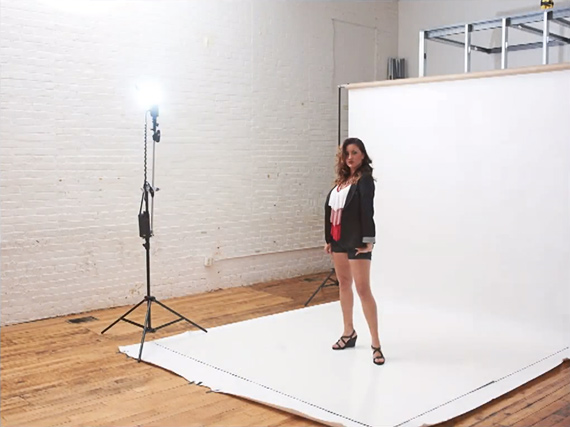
56,373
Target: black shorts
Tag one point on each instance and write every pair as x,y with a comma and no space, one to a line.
351,252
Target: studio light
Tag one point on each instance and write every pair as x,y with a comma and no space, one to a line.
149,94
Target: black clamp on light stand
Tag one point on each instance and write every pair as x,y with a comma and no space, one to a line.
146,232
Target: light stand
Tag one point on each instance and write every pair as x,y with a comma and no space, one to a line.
334,282
145,231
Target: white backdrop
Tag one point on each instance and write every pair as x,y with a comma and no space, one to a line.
473,194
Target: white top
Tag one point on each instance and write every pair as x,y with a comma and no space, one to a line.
338,198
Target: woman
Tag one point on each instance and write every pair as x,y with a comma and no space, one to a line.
350,235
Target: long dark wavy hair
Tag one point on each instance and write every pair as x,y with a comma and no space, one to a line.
343,171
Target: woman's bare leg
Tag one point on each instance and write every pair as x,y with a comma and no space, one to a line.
344,277
360,269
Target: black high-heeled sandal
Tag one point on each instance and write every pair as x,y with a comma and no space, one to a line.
347,341
375,358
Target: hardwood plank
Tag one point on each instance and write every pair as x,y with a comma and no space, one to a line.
538,417
549,421
494,412
528,406
565,422
15,403
565,411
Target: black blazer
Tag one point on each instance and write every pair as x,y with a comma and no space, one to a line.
357,220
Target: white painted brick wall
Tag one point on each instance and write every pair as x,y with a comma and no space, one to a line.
249,136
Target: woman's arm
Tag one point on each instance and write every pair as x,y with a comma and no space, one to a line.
328,236
366,188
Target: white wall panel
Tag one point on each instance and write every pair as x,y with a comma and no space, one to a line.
473,193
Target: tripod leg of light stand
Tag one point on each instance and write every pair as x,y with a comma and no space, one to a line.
322,286
145,328
179,315
122,317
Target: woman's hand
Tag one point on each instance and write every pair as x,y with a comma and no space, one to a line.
328,248
365,249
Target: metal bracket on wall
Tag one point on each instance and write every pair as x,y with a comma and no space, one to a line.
520,22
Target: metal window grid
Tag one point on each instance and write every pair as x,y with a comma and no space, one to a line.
520,22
